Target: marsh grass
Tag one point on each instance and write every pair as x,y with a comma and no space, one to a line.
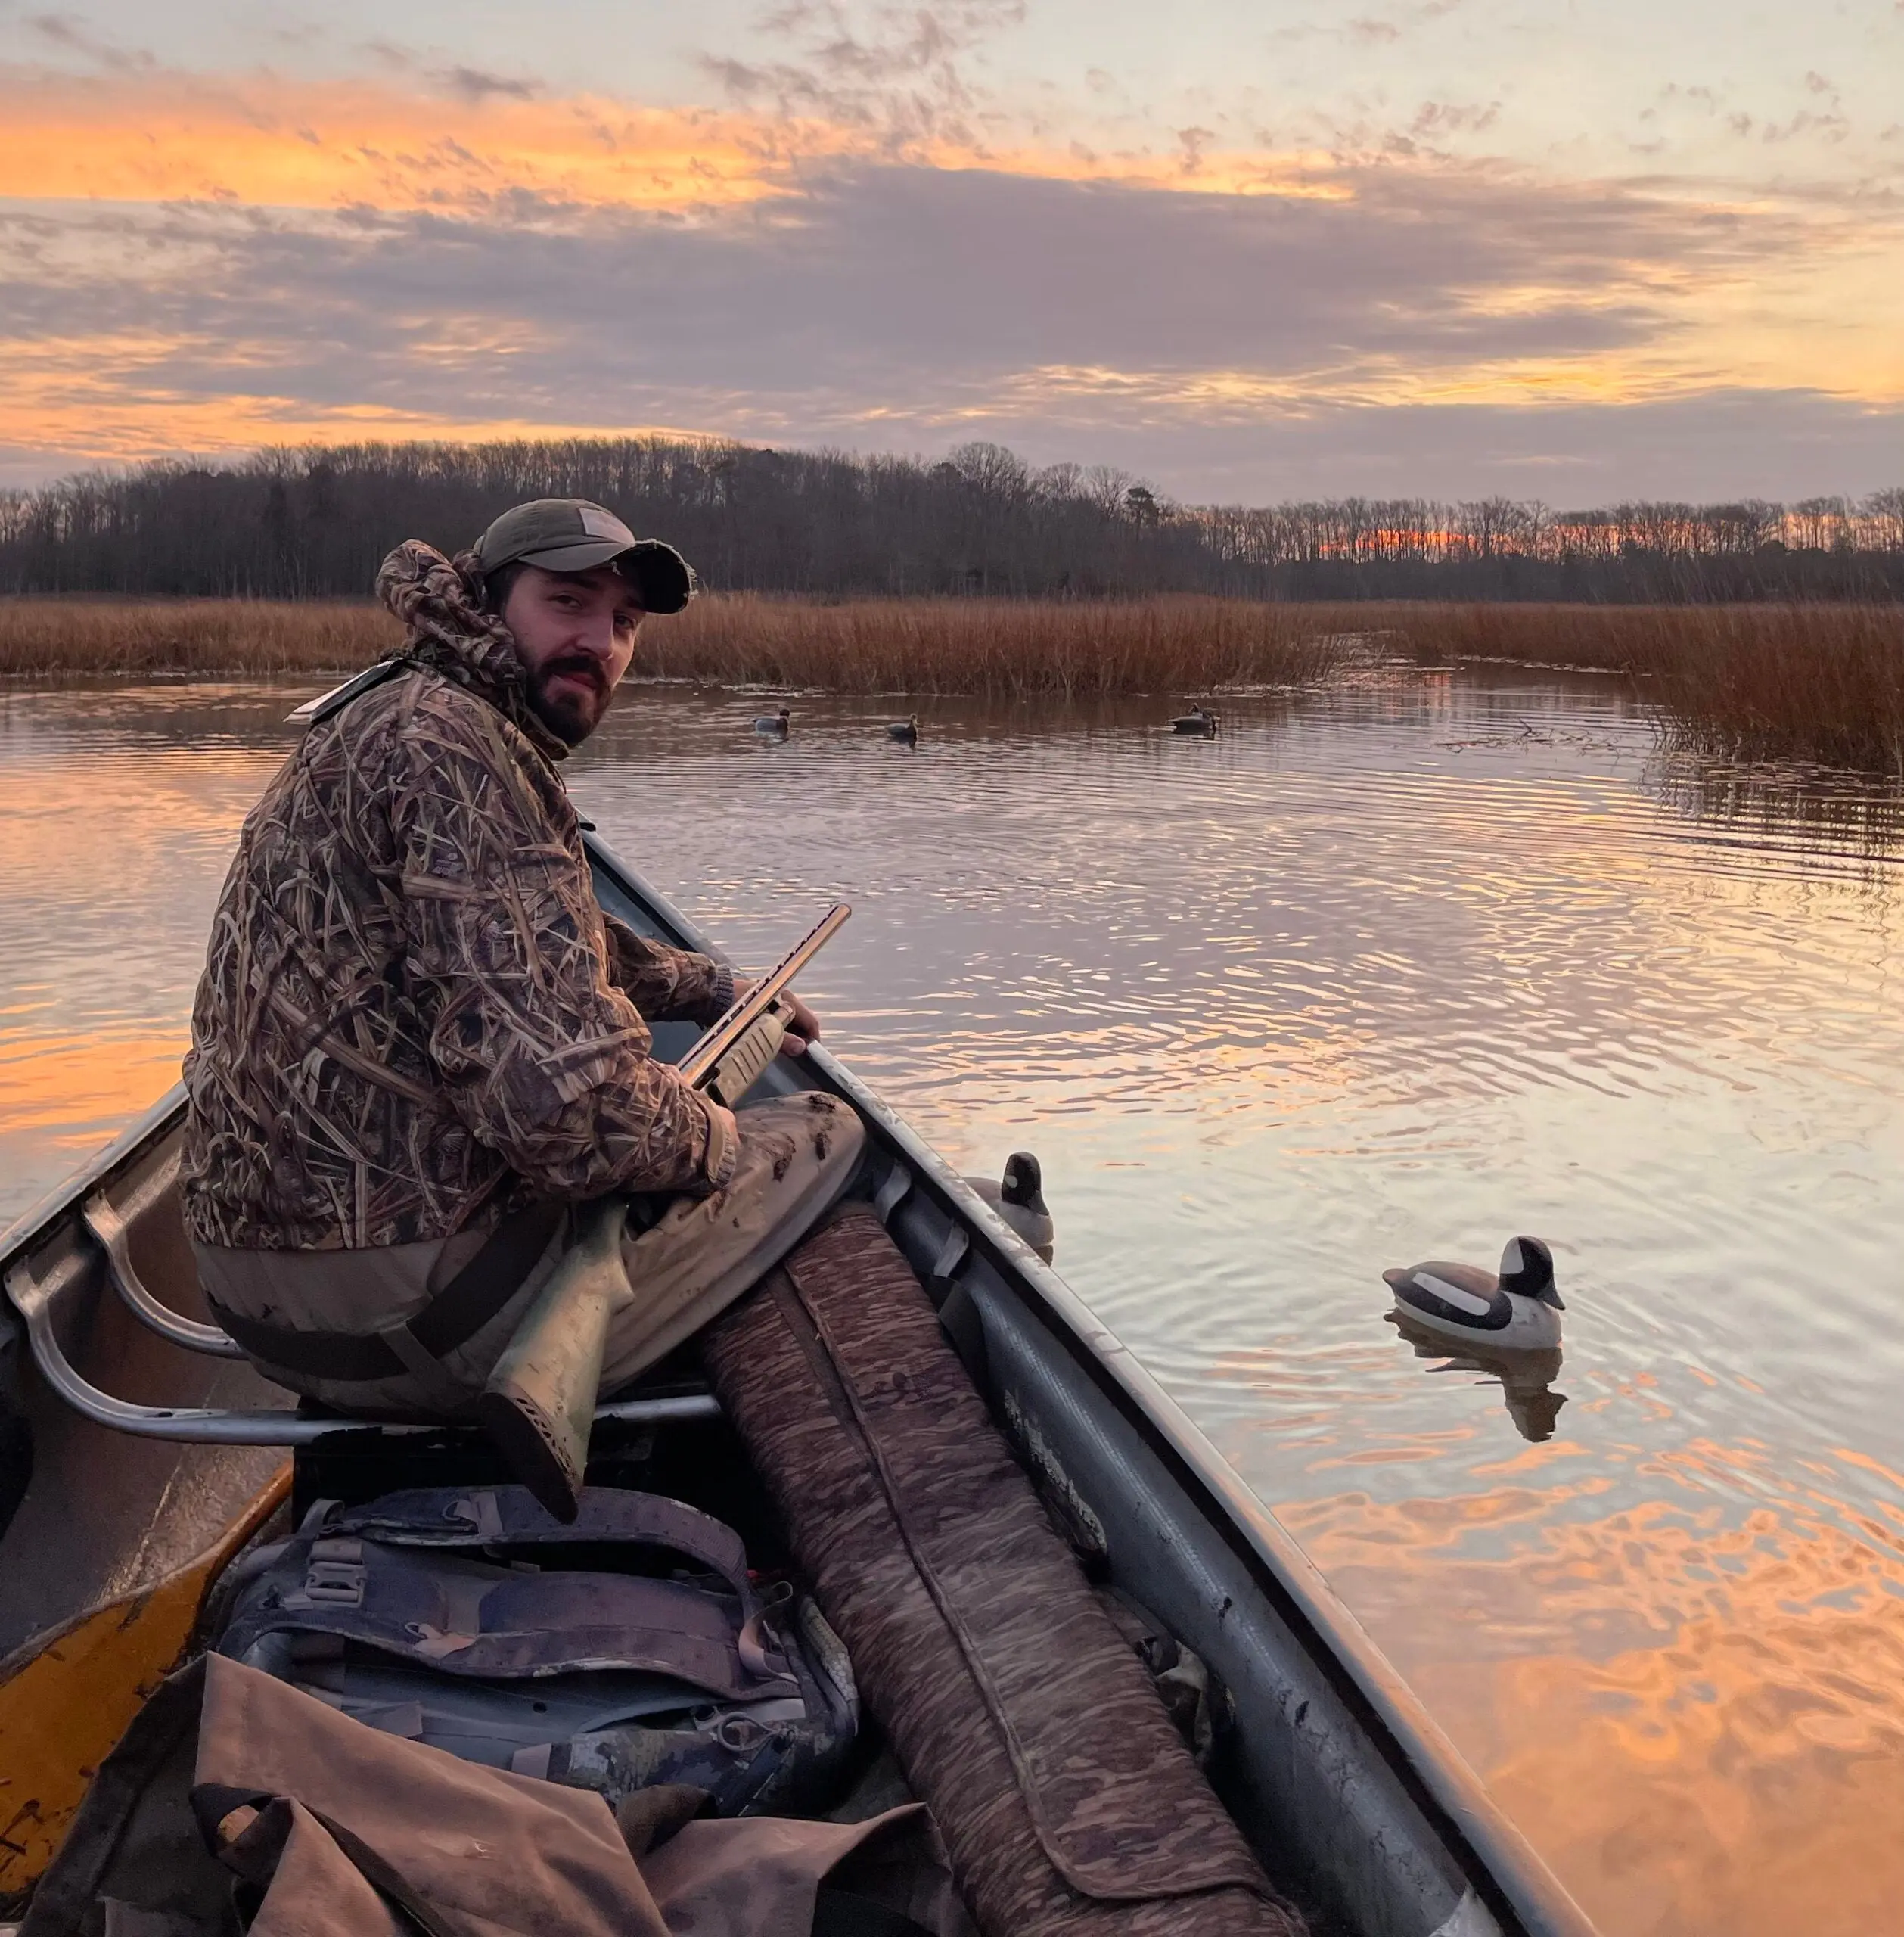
1822,682
1007,648
191,638
998,647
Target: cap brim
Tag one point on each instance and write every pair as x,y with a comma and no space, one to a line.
579,558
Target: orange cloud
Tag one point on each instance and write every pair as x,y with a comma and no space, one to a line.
263,141
267,142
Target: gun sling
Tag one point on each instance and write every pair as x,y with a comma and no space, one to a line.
460,1310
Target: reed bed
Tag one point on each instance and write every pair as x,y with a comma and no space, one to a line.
1010,648
190,638
1007,647
1822,682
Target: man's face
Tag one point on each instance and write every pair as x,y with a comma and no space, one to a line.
575,633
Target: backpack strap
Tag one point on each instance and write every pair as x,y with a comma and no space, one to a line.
462,1518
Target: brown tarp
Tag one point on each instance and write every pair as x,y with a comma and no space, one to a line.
1067,1801
327,1825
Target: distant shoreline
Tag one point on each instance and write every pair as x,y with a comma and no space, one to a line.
1822,682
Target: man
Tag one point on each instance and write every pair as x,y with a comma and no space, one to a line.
418,1040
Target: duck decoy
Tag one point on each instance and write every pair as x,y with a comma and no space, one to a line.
1513,1311
1199,720
1018,1197
776,725
905,731
1526,1377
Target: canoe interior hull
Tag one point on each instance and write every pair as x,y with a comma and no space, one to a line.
1354,1810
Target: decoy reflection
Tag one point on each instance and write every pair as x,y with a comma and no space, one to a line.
1525,1376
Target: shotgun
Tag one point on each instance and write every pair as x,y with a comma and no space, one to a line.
539,1403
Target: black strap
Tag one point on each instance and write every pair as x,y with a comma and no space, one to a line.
460,1310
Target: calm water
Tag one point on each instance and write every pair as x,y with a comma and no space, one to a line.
1388,975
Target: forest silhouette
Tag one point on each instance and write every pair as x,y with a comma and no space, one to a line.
313,522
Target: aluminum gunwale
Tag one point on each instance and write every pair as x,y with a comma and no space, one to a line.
66,1195
1505,1867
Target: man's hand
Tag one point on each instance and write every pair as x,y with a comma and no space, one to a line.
803,1029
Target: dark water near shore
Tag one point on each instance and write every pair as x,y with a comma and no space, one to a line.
1391,973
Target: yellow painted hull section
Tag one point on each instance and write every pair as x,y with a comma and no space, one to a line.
67,1696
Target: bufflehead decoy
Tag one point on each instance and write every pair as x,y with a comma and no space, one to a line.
778,725
1199,720
1526,1377
1019,1198
906,730
1516,1310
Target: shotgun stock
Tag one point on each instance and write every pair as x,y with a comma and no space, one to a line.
539,1406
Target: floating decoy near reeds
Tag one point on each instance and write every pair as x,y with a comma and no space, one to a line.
1199,720
776,725
1019,1198
905,731
1515,1311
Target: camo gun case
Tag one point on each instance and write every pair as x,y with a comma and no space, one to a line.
1066,1799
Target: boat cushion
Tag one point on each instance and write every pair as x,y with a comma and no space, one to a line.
1067,1799
627,1647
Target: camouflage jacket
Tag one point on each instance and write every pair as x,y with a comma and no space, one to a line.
413,1013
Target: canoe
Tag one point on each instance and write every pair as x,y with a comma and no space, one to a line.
1360,1808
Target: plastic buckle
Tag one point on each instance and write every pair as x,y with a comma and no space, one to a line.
334,1574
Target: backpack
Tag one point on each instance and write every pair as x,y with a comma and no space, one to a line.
629,1648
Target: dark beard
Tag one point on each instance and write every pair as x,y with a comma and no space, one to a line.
570,716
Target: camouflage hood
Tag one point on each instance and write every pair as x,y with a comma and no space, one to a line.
447,629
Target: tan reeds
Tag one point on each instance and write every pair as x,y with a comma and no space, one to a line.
199,638
1818,682
996,646
1004,647
1823,682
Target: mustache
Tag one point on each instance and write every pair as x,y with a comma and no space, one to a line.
577,665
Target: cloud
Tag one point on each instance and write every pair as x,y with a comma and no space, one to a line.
904,276
882,302
473,138
202,263
71,35
901,72
473,85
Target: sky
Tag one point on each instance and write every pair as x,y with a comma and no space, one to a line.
1249,250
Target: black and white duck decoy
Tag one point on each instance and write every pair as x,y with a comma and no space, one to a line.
1018,1197
1199,720
774,726
1513,1311
905,731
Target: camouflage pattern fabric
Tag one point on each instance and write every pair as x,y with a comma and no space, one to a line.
413,1015
1069,1804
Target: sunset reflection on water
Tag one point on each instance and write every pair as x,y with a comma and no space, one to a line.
1382,975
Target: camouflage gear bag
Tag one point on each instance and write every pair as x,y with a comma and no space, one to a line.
467,1620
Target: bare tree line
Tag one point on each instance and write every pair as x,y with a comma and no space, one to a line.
314,521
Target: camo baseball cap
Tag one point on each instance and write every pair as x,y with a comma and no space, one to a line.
572,534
